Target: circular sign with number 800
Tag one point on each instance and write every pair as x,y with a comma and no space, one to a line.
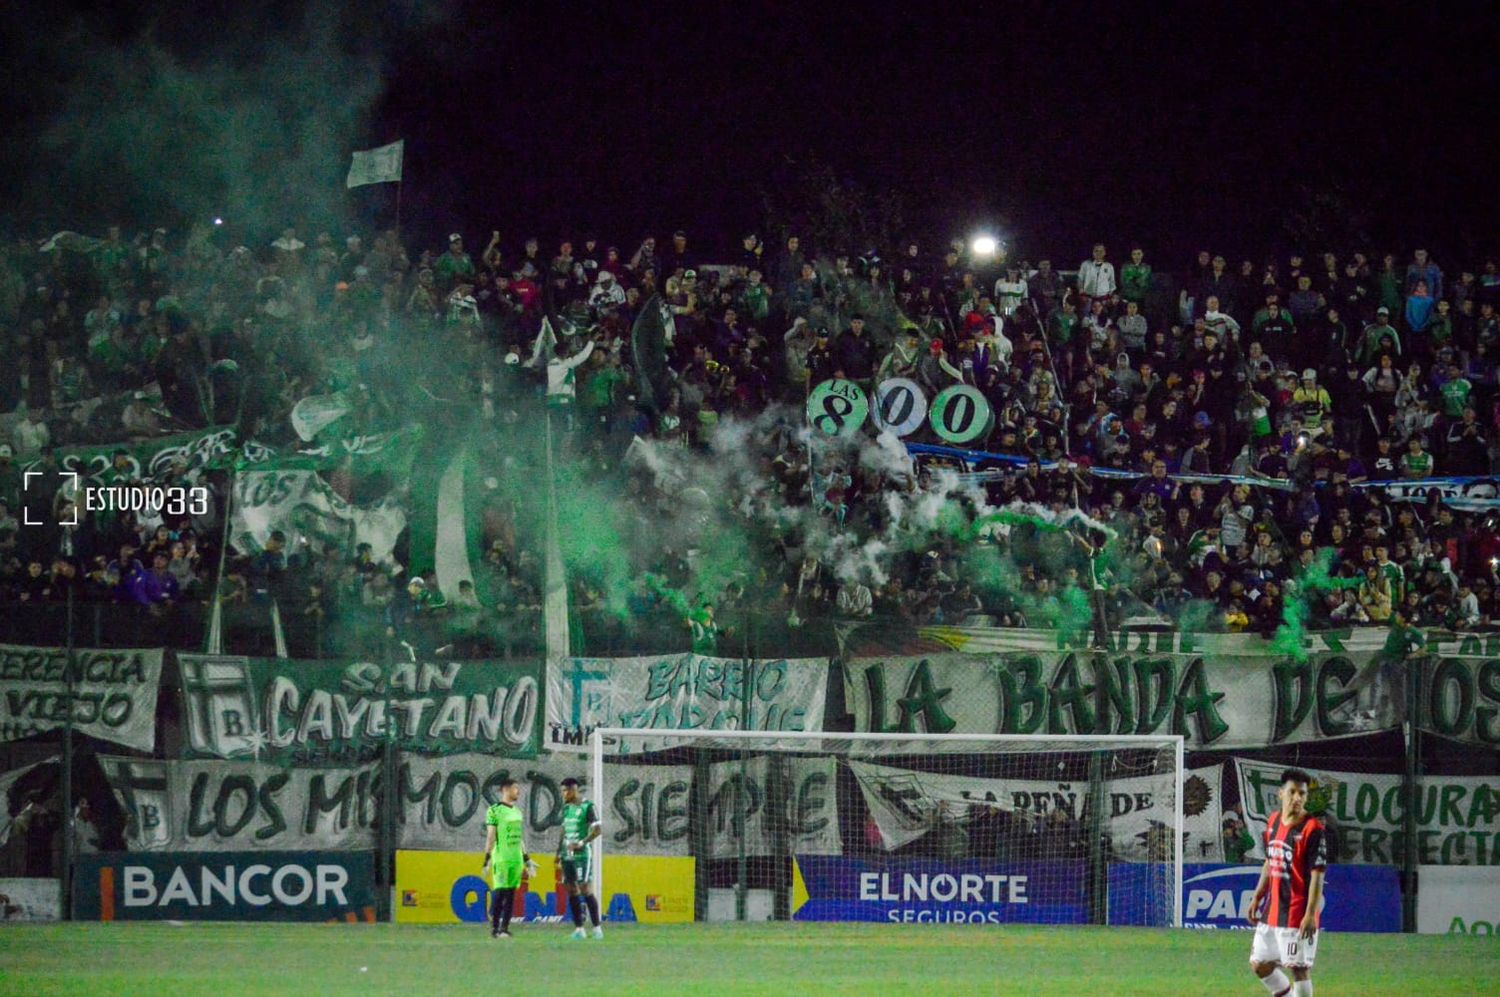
900,406
961,414
837,408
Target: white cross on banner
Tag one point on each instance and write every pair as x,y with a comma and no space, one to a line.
382,165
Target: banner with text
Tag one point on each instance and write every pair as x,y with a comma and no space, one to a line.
1217,897
208,886
303,506
317,711
147,460
1458,817
1216,703
680,692
1452,901
1138,815
114,693
943,891
797,796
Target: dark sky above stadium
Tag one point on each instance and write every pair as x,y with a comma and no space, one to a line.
1061,123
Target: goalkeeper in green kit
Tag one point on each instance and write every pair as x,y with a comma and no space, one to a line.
580,826
505,856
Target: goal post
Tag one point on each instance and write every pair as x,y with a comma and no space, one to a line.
895,827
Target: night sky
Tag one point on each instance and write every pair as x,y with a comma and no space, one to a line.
1181,130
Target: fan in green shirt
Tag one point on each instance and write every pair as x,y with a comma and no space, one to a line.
505,856
580,826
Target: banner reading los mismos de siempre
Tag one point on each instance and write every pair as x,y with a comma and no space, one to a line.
222,805
1235,702
448,888
114,693
319,711
222,886
681,692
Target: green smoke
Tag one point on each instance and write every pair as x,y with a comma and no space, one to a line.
1311,582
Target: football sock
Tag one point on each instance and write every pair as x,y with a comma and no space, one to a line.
576,907
593,903
507,901
1277,983
495,902
1302,988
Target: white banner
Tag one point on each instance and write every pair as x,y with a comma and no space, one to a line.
1458,817
315,413
304,506
30,900
378,165
679,692
1456,901
245,806
908,804
802,789
1214,703
114,693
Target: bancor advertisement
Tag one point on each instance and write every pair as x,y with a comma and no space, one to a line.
225,886
448,888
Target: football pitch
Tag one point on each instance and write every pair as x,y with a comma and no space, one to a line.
224,959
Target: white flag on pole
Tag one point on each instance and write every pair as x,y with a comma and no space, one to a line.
382,165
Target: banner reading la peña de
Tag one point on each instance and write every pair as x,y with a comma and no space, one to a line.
318,711
114,693
681,692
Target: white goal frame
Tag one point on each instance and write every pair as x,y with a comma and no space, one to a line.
1177,741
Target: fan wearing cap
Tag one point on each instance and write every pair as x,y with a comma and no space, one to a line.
1376,333
453,264
1312,402
606,292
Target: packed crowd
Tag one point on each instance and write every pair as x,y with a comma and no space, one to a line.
1300,379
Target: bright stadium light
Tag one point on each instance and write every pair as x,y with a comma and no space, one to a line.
218,221
984,245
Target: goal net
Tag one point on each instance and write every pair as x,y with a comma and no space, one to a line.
948,829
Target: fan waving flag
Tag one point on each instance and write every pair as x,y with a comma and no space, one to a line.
382,165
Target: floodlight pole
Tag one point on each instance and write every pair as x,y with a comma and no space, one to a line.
65,881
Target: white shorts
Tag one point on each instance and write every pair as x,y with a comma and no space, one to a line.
1282,945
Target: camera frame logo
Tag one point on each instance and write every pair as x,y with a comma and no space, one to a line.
158,500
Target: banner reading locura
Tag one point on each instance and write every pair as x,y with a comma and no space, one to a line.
315,711
448,888
680,692
943,891
1214,896
1458,817
225,886
114,693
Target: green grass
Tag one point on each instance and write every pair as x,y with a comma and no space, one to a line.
783,959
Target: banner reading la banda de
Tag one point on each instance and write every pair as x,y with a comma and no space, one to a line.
1231,702
680,692
114,693
319,711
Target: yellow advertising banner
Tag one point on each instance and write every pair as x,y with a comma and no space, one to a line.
447,888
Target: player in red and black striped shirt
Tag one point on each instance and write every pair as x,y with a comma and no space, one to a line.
1291,888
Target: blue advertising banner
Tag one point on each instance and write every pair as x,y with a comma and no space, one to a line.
1356,897
225,886
942,891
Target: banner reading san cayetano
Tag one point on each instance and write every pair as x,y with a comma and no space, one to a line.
1137,816
114,693
681,692
318,711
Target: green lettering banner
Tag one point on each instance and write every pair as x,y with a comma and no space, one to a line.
314,712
